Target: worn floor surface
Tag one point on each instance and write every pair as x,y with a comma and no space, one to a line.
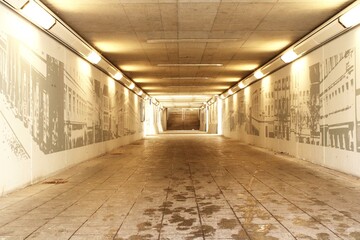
186,187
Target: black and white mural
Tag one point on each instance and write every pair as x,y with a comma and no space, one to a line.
313,101
60,106
57,101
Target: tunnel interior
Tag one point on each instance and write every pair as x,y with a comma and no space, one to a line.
179,119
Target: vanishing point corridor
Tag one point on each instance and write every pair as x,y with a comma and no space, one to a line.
186,186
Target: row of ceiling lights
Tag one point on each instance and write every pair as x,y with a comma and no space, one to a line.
38,14
343,21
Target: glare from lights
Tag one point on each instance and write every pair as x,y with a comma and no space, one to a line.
118,76
94,58
258,74
219,113
191,65
222,96
38,15
132,85
140,93
289,56
351,18
230,92
17,4
241,85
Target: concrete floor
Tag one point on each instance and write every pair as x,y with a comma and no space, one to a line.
186,186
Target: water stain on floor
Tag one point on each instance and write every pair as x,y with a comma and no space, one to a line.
210,210
204,231
305,223
355,235
182,222
144,226
323,236
228,223
180,197
150,212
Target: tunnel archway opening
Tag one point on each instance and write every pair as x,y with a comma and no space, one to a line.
183,119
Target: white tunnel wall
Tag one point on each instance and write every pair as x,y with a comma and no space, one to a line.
56,109
309,109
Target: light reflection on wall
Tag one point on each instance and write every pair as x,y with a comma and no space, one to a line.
265,83
299,73
30,56
84,67
299,65
219,111
112,86
247,94
150,124
22,31
126,92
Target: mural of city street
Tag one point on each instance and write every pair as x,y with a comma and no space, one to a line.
318,105
57,104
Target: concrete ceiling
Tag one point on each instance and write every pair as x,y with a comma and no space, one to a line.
152,41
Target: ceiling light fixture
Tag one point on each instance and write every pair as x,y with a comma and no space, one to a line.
241,85
351,18
258,74
132,85
191,65
193,40
93,57
185,78
118,76
38,15
140,93
17,4
230,92
289,56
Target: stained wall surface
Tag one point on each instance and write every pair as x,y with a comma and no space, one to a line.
309,109
55,108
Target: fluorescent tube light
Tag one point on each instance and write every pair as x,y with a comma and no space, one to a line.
94,58
17,4
193,40
132,85
289,56
38,15
351,18
118,76
185,78
191,65
258,74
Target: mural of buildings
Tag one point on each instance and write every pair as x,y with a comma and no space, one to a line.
357,110
318,105
253,114
60,106
337,107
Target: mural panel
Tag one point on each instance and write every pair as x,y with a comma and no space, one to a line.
61,105
315,101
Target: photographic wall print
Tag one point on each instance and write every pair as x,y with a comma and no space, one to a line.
313,101
52,101
61,107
